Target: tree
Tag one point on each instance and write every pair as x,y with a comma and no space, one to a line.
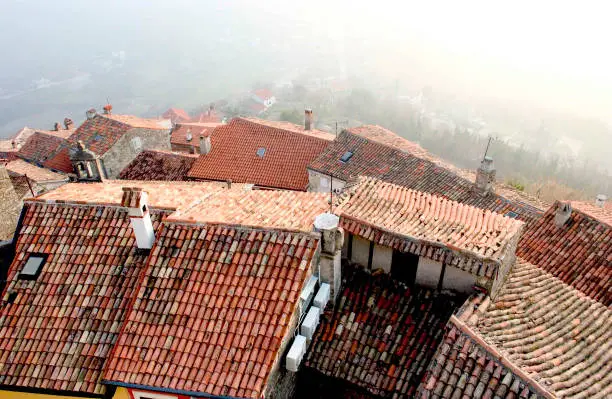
293,116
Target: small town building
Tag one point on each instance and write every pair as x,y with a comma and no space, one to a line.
268,154
176,115
264,97
114,139
377,152
43,145
186,136
159,165
33,180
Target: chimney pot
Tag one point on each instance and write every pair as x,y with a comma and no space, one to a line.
307,119
68,123
205,144
57,127
332,239
136,202
229,183
563,213
600,200
108,109
485,176
188,135
91,113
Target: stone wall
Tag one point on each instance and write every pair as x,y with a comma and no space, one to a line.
10,206
508,261
322,183
124,151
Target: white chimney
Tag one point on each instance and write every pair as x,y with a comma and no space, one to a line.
188,135
205,145
136,202
563,213
332,238
307,119
600,200
485,176
91,113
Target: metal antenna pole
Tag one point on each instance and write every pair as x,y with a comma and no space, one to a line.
487,150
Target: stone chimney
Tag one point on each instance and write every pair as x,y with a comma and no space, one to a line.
307,119
136,202
68,123
57,127
563,213
205,145
485,176
188,135
108,109
332,238
91,113
600,200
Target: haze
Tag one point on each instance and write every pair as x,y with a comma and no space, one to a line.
542,61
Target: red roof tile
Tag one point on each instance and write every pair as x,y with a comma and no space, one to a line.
381,335
181,131
210,316
579,253
35,173
286,150
387,214
602,213
264,94
176,115
548,339
60,160
59,329
395,164
143,123
40,147
158,165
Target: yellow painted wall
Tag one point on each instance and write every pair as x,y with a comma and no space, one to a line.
26,395
120,393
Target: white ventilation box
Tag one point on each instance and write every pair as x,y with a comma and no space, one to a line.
296,353
309,325
322,296
308,292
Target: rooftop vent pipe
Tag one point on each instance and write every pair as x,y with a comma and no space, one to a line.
136,202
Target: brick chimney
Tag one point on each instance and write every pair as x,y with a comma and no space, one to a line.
307,119
57,127
136,202
68,123
563,213
205,144
485,176
108,109
332,238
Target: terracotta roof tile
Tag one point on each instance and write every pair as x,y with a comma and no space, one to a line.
187,317
556,336
40,147
59,329
602,213
162,195
35,173
396,163
287,210
158,165
181,130
387,213
176,115
285,151
380,335
579,253
264,94
138,122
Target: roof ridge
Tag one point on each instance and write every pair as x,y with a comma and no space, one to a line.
170,219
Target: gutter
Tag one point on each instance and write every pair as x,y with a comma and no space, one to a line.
167,390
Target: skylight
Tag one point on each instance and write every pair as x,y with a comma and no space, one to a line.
261,152
511,214
346,156
33,266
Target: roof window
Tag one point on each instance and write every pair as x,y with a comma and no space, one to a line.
511,214
261,152
346,156
33,266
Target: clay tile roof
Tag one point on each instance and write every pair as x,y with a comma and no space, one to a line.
372,207
579,253
162,195
213,310
381,335
143,123
601,213
179,133
176,115
40,147
60,327
288,210
35,173
159,165
551,332
263,93
380,153
284,152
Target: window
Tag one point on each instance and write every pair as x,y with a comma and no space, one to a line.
136,143
150,395
261,152
511,214
33,266
346,156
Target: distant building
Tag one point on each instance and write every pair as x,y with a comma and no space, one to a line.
176,115
210,115
264,97
30,180
186,136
